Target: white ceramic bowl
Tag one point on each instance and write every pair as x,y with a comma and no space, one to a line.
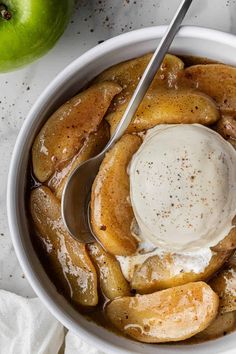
190,40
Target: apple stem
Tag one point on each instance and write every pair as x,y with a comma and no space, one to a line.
4,13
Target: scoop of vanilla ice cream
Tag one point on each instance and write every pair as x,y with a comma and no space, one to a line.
183,187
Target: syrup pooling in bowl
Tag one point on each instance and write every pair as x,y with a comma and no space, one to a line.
129,268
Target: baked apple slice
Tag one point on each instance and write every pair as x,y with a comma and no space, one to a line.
67,259
128,74
166,316
63,134
91,147
168,107
226,127
112,282
217,81
232,260
223,324
111,211
159,272
224,284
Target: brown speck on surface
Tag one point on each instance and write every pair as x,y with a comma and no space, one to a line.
103,227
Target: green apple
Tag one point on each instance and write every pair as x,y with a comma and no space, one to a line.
29,28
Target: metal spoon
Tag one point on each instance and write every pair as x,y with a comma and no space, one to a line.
76,195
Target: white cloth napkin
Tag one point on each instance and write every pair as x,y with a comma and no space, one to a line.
74,345
26,327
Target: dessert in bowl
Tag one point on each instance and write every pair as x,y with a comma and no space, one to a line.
164,197
162,207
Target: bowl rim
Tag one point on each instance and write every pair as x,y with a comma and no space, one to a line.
148,33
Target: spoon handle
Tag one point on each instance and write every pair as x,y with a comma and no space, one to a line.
149,73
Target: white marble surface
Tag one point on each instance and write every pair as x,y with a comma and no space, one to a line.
93,21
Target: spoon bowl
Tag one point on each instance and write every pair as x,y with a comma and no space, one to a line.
76,199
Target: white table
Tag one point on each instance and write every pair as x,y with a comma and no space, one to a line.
93,21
